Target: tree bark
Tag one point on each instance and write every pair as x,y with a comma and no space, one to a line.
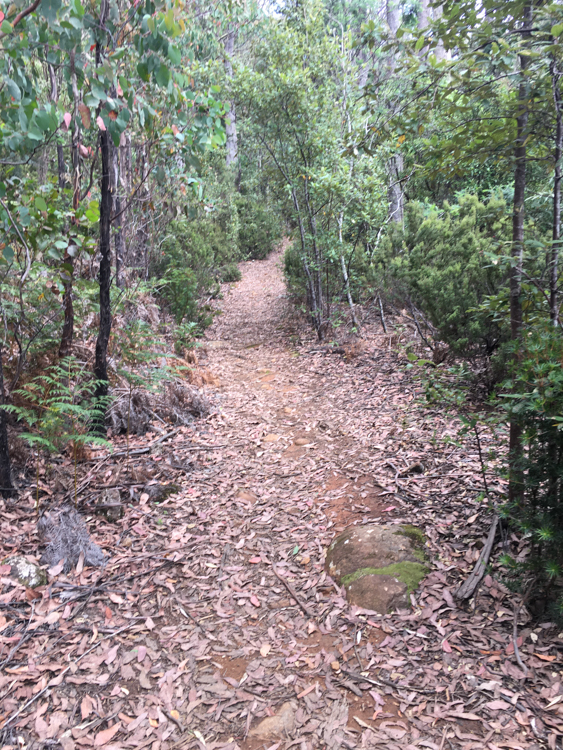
395,163
100,363
117,226
231,128
515,448
423,15
554,259
6,486
68,261
345,275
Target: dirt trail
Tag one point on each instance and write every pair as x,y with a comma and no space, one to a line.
214,625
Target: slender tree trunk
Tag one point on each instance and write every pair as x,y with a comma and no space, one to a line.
311,287
100,366
6,486
54,96
554,260
439,50
117,227
61,169
125,168
423,15
395,163
231,128
318,269
345,275
144,222
515,448
100,363
68,262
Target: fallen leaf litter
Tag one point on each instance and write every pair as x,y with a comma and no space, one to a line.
214,624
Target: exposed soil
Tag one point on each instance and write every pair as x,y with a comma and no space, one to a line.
195,637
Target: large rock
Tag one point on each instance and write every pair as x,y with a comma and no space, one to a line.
379,566
25,572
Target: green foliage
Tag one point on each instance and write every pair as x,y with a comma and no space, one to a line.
180,290
184,335
230,273
60,409
191,258
533,399
260,227
441,261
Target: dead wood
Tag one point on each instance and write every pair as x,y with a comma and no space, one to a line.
465,591
64,532
305,609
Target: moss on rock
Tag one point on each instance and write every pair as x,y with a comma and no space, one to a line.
409,573
417,537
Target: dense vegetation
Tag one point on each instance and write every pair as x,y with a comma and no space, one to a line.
410,149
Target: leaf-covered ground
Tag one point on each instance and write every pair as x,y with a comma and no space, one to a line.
214,611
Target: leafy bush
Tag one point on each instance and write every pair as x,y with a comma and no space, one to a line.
533,399
230,273
259,228
441,261
192,261
181,292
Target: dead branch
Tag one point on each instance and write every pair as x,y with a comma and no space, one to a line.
465,591
302,606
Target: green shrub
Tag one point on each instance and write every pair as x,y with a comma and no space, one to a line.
533,398
441,261
259,228
229,273
181,292
192,260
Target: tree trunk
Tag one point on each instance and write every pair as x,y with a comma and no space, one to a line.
312,301
345,275
100,365
6,486
117,226
423,15
318,268
61,169
125,169
439,50
395,163
68,262
515,449
231,128
554,260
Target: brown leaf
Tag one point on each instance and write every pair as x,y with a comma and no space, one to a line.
103,737
84,115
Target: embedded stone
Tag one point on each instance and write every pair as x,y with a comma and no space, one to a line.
25,572
379,566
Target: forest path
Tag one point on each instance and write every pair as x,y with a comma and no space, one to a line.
214,626
312,442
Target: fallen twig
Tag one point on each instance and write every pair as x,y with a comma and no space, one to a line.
305,609
382,681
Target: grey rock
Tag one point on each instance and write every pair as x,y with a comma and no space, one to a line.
25,572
